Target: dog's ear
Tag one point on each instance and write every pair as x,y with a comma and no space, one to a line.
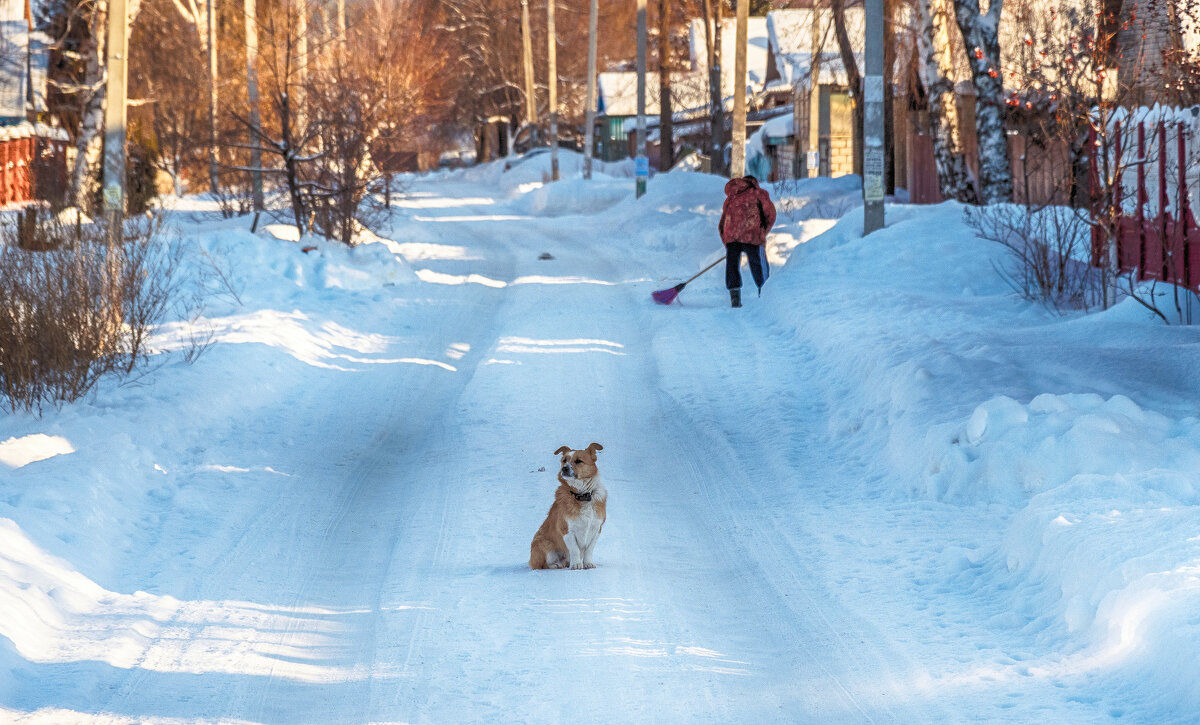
594,447
560,450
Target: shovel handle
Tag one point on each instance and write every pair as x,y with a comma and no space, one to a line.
722,259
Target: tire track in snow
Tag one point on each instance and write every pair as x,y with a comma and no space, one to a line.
308,548
763,527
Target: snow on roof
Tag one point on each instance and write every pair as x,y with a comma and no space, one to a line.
22,54
756,52
617,93
779,126
790,34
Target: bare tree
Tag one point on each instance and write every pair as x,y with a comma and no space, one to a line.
853,77
712,47
283,132
385,85
166,67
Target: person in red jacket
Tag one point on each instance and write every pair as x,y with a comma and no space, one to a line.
746,217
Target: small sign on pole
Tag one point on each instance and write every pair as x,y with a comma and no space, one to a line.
873,169
874,161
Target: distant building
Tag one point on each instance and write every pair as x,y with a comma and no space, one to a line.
805,68
24,55
616,99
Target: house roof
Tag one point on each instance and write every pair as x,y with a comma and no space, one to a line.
22,54
756,52
790,38
617,93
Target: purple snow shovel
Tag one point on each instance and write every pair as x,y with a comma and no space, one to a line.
668,295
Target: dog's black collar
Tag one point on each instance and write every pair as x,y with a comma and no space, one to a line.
582,496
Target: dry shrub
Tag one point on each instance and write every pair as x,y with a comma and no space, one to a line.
75,308
1049,253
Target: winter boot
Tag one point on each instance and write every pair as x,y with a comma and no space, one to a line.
735,297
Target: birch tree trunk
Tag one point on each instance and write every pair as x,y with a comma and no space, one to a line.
89,144
937,72
981,31
84,182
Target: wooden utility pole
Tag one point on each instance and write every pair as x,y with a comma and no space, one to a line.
552,84
666,129
590,114
252,97
531,114
117,60
213,171
641,163
738,157
873,131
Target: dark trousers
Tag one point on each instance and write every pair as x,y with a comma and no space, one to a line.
756,255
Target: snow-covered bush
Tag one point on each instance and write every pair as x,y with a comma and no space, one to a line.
1049,252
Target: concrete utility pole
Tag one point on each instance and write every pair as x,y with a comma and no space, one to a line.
737,159
531,114
252,96
341,25
552,50
812,161
114,114
590,114
873,131
641,163
213,174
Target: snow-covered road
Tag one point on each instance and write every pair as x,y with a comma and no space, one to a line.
349,488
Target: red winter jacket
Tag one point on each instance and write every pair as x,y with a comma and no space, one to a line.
748,213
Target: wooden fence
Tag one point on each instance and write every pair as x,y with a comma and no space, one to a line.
1041,172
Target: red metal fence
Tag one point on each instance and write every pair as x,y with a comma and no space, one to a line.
1156,232
33,162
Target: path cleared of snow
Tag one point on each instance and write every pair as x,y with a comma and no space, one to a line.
885,491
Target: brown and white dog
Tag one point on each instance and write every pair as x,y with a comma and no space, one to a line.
568,535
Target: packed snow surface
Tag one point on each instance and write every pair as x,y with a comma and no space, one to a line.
887,490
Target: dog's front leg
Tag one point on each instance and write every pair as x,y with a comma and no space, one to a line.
576,556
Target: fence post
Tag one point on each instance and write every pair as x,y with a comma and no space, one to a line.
1116,223
27,168
1182,209
1141,200
1168,251
6,160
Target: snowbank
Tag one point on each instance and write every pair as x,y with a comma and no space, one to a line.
571,195
1083,428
